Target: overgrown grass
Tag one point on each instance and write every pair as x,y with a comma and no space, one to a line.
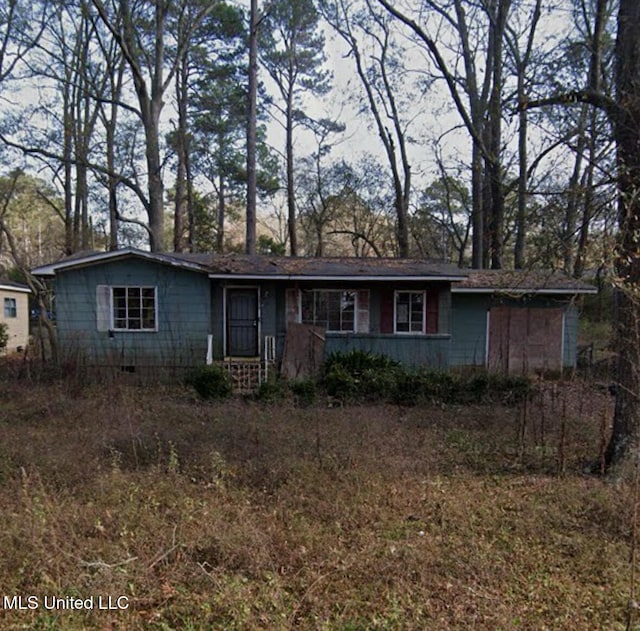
244,515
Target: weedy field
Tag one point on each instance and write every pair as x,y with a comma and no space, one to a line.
241,515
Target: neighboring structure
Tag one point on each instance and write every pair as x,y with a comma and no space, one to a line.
131,309
14,312
516,321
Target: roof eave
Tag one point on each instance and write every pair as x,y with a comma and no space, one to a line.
22,290
165,259
335,277
521,291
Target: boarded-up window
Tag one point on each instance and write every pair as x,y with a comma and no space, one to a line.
525,339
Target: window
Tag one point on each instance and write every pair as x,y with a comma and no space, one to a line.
410,312
333,310
10,308
134,308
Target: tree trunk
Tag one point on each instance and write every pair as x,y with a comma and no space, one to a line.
155,184
521,215
250,242
182,77
624,441
222,211
291,193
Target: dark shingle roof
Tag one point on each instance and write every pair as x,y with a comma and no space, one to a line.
312,268
521,281
9,284
247,265
257,266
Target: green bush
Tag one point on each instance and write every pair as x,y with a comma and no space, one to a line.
4,335
271,392
210,382
357,361
340,383
360,376
304,391
425,386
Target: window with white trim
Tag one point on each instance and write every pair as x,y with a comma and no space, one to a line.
10,308
409,309
332,309
134,308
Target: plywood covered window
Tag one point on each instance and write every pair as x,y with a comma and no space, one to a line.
10,308
332,309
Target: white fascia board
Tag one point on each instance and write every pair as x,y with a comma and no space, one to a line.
465,290
22,290
351,278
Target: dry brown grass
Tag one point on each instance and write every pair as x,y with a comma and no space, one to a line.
242,516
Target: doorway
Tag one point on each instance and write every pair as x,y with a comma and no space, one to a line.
242,322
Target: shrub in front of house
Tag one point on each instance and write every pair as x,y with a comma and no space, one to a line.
210,382
4,335
341,384
304,391
271,391
358,361
425,386
360,376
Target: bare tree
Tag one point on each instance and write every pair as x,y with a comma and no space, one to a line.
623,111
152,70
379,72
477,96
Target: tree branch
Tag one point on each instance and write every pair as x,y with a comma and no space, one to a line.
592,97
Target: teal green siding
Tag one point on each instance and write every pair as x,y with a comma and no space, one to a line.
190,307
469,329
428,351
183,307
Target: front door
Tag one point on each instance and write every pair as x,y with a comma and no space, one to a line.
242,322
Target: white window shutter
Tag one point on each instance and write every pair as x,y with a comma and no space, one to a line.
103,307
362,325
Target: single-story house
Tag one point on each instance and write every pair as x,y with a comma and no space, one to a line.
516,321
14,312
130,309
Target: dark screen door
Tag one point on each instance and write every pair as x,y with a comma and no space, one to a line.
242,322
